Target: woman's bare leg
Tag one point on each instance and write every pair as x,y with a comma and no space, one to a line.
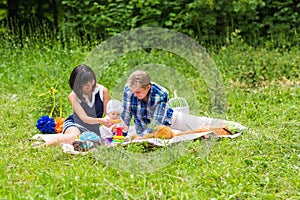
68,137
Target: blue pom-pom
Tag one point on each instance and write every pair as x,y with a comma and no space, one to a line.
87,135
46,124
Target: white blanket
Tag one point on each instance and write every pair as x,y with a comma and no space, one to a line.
166,142
68,148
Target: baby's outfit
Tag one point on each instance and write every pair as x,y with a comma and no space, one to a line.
107,133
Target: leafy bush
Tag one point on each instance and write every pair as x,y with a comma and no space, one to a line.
207,21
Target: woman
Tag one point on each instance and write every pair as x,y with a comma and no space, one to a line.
88,100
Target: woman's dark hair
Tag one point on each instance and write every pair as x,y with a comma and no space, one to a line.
81,75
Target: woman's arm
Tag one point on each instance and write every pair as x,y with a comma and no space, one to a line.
82,114
106,98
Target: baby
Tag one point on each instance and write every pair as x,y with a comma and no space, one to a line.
114,110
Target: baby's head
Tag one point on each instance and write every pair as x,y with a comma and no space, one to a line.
114,109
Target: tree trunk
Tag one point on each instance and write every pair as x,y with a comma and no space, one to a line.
13,15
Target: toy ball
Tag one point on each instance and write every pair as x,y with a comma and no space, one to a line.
46,124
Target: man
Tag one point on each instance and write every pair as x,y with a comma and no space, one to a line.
146,101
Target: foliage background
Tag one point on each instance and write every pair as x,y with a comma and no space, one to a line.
207,21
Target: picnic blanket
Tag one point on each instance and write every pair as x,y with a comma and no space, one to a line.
178,136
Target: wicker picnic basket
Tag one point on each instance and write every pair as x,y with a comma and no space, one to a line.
180,104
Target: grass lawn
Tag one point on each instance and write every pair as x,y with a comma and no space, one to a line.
262,92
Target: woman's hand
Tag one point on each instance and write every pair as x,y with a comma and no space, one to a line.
105,122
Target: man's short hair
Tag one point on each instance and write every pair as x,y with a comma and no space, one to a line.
139,79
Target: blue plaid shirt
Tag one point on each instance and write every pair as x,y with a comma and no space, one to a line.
155,111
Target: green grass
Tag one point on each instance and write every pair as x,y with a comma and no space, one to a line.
262,164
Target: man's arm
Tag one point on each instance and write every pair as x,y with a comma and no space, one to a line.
126,103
